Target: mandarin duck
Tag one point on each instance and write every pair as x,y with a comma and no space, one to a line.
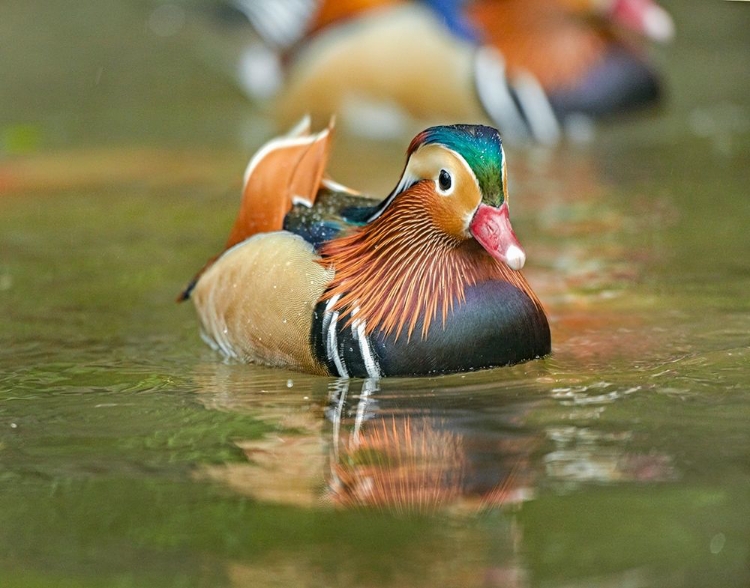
524,65
319,278
384,67
582,52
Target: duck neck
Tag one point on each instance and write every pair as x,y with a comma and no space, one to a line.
402,270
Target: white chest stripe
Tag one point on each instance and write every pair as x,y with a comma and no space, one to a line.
330,324
371,364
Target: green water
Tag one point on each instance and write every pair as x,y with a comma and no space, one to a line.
132,456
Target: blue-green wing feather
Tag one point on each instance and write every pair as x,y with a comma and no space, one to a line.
332,213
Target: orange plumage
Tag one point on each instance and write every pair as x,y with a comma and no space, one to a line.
403,266
318,278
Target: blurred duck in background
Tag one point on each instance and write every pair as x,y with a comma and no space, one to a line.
388,66
586,54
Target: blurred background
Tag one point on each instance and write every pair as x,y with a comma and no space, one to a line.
131,455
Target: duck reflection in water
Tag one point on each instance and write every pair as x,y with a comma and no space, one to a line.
397,449
388,448
452,448
394,454
404,446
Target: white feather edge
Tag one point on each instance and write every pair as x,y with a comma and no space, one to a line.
298,135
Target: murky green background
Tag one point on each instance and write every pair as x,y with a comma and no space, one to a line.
131,456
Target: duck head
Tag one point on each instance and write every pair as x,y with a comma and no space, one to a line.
461,170
443,229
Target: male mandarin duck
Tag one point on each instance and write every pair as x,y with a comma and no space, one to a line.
582,52
524,65
384,67
318,278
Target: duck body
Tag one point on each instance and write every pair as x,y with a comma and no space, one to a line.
339,284
498,324
382,70
524,65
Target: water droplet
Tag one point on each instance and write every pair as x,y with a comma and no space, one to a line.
717,543
6,282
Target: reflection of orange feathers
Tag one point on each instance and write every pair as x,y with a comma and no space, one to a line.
407,465
286,170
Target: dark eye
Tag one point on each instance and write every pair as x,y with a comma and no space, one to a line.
444,180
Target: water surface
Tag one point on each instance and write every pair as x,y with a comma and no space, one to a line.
131,455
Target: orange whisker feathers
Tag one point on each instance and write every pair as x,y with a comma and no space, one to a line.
402,268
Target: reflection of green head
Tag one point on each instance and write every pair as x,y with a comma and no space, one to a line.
481,148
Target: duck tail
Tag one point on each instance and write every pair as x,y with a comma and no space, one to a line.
287,170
